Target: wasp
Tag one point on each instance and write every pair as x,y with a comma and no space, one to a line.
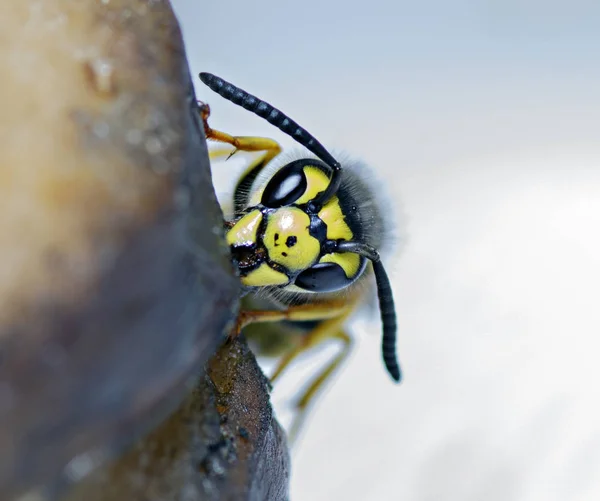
304,236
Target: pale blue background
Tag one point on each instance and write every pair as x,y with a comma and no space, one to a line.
484,120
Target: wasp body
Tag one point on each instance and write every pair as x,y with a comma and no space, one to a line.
305,234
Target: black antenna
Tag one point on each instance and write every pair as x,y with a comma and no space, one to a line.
386,304
284,124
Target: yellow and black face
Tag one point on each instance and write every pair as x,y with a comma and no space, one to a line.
307,230
282,240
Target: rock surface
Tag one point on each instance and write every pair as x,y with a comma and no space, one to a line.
223,443
115,283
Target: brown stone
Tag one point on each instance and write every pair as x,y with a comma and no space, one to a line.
115,283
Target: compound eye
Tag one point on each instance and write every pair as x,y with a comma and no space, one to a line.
285,187
323,277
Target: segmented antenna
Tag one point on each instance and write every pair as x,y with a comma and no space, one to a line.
386,304
388,319
284,124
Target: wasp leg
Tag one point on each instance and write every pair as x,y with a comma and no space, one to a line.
216,153
247,143
239,143
325,330
304,401
303,312
333,314
269,147
242,188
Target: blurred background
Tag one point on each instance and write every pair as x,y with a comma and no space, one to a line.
483,119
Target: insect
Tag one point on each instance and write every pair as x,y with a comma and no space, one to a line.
304,235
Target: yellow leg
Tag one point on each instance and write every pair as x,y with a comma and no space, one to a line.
304,312
240,143
333,314
304,401
242,189
325,330
269,147
216,153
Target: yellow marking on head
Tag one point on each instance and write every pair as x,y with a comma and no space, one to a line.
337,228
288,241
331,214
316,182
349,262
244,230
264,275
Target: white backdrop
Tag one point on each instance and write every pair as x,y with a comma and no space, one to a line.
483,118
